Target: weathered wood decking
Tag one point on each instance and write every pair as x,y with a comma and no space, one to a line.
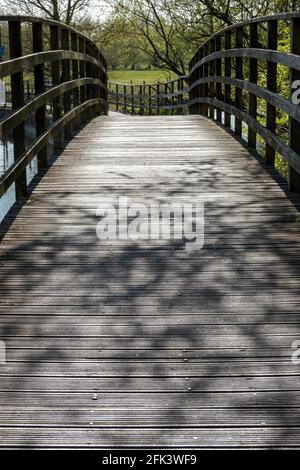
146,344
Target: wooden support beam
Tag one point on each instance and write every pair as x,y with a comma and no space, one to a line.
239,75
66,76
218,45
227,45
253,73
294,126
212,68
39,87
272,86
55,77
17,99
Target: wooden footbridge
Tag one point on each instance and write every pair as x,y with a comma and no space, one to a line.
143,343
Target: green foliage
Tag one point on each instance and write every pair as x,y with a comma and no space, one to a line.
140,76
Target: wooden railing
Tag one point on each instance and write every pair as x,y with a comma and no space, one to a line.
77,71
233,79
159,98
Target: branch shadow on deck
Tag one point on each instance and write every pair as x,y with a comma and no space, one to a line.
74,306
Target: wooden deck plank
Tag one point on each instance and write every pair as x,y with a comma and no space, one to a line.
144,343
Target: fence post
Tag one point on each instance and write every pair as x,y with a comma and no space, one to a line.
88,73
125,98
132,98
294,126
82,72
117,97
228,74
65,44
75,76
17,99
218,70
253,69
239,32
55,78
212,68
205,86
272,86
157,98
39,87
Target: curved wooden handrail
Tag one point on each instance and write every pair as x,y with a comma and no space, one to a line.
276,100
49,22
253,21
77,94
25,111
26,62
287,59
218,80
20,164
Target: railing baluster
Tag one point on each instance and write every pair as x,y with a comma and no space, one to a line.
294,126
117,97
227,45
55,78
88,73
75,76
65,44
82,74
149,99
17,99
272,86
212,85
218,69
157,98
239,32
253,72
201,87
125,98
39,87
206,87
132,99
141,100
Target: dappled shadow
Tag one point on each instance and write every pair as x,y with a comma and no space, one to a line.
143,342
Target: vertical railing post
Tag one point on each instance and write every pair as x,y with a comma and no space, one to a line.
125,98
117,97
180,85
272,86
205,86
165,97
65,44
239,32
55,78
218,71
75,76
82,72
227,74
172,97
88,73
212,68
253,72
192,79
132,98
294,126
200,94
17,99
141,100
39,87
157,99
150,99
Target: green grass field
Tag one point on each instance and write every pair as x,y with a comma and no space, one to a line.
139,76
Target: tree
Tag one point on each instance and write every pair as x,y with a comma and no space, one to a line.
173,29
66,11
